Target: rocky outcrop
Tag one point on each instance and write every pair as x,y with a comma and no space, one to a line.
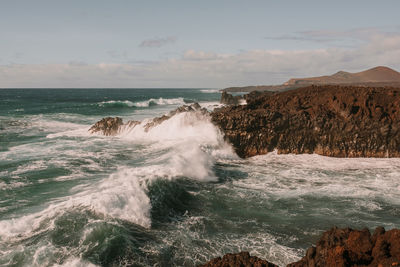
185,108
336,248
347,247
229,99
110,126
238,260
107,126
330,120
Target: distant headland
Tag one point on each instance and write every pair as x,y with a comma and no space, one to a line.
374,77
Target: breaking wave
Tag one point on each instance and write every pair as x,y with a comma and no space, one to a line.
142,104
210,91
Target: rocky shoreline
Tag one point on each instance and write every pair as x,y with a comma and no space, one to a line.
337,247
329,120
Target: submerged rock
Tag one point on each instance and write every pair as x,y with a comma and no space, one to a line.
238,260
330,120
336,248
107,126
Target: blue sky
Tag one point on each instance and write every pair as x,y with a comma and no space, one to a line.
191,43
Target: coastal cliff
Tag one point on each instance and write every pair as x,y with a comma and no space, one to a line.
330,120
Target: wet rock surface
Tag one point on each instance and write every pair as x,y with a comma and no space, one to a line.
330,120
111,126
229,99
347,247
185,108
337,247
107,126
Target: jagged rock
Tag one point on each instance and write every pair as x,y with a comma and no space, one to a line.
107,126
111,126
132,123
330,120
229,99
348,247
238,260
185,108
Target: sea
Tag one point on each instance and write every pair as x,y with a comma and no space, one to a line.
175,195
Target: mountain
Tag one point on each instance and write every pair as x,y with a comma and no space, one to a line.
375,75
378,77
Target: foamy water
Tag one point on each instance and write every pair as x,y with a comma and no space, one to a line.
174,195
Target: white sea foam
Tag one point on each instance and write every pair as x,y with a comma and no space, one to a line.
211,105
294,176
193,142
122,195
80,132
210,91
75,262
261,244
126,103
146,103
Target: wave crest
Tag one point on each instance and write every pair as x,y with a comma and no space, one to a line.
143,104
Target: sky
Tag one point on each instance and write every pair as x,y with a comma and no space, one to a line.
191,44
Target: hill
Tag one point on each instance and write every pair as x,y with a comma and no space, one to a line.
376,77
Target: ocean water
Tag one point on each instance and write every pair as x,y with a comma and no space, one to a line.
174,196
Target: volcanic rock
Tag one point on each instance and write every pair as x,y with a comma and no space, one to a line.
185,108
229,99
348,247
238,260
330,120
107,126
112,126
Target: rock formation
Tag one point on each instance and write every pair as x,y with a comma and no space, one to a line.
347,247
330,120
107,126
230,99
110,126
336,248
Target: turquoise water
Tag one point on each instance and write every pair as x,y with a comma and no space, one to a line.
176,195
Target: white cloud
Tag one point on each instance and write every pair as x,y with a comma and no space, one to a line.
208,69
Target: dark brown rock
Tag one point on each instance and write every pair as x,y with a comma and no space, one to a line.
330,120
107,126
111,126
185,108
241,259
229,99
348,247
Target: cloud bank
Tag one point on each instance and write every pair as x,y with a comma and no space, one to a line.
209,69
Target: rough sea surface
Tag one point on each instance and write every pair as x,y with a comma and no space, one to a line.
174,196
